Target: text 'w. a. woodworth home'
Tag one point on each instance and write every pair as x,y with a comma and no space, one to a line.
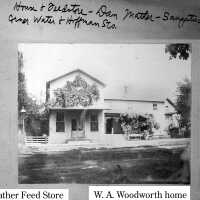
78,110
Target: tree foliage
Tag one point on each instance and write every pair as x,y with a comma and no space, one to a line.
22,94
182,51
24,100
75,93
33,109
183,102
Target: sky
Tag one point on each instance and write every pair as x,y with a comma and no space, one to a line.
131,71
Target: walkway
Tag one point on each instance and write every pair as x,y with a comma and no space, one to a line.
168,143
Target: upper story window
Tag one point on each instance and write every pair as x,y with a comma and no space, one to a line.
94,124
60,123
155,106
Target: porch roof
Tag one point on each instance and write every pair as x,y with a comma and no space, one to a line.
118,111
80,108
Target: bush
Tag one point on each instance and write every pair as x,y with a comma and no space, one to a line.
174,132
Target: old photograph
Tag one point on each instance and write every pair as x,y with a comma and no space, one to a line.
104,113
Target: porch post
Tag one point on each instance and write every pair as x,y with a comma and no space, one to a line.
103,122
82,120
23,116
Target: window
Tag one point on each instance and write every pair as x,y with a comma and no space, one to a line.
60,123
94,125
113,126
155,106
109,125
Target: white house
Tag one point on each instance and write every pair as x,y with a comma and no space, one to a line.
90,115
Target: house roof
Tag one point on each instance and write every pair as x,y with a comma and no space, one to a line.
134,93
81,72
116,92
81,108
135,100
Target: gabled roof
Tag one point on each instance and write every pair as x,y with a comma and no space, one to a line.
81,72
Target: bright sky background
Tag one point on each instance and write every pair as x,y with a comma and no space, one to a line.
145,69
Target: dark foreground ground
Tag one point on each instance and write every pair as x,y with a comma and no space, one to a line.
106,166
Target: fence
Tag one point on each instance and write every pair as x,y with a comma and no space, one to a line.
36,139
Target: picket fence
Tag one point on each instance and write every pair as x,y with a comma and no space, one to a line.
36,139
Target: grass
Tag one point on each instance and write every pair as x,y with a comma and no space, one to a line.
105,166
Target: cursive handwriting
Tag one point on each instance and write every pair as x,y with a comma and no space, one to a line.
70,8
78,21
103,11
129,14
14,19
165,17
179,19
22,7
102,17
44,19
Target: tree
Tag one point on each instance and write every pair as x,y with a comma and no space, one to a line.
33,109
22,94
182,51
24,100
183,103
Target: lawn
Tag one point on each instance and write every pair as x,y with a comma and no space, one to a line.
106,166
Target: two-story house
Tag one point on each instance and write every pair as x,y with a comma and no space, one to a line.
78,110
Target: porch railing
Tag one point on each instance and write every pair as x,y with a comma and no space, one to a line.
36,139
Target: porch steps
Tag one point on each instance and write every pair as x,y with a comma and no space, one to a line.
78,141
160,136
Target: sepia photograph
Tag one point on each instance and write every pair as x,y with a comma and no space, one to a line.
104,113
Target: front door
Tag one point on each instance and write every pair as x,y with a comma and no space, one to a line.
77,128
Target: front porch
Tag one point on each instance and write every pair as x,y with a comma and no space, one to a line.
75,125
